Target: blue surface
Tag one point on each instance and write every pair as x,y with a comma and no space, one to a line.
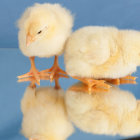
12,64
121,13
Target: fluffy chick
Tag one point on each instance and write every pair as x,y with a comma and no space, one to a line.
43,30
113,112
102,53
44,114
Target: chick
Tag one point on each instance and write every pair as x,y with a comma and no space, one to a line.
94,52
44,114
113,112
43,30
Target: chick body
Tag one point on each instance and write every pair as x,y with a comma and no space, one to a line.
44,114
111,113
49,25
102,52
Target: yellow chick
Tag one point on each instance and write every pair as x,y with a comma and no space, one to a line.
94,52
110,113
43,30
44,114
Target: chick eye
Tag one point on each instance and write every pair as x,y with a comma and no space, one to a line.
39,32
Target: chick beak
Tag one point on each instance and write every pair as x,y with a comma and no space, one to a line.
29,39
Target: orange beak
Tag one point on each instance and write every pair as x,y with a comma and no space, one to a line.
29,39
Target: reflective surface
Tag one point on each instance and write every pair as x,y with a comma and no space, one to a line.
123,14
13,63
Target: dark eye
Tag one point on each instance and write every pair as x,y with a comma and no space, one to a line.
39,32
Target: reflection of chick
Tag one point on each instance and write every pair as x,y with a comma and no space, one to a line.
102,53
44,114
113,112
43,29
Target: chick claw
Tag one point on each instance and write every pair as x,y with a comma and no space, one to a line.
33,80
54,70
35,74
84,88
124,80
94,84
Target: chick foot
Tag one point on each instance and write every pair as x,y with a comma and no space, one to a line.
54,70
33,73
32,80
57,76
91,85
84,88
124,80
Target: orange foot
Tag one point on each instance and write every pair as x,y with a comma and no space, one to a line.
84,88
34,73
124,80
54,70
32,80
92,85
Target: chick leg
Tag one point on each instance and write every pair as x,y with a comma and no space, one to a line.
124,80
33,72
92,84
57,76
57,85
55,69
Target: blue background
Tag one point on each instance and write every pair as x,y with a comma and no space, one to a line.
121,13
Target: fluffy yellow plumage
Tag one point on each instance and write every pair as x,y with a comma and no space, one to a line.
113,112
102,52
46,27
43,30
44,114
95,52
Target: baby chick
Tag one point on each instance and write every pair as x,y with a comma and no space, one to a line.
93,53
43,30
113,112
44,114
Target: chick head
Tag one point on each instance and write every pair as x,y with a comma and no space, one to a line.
44,27
40,25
